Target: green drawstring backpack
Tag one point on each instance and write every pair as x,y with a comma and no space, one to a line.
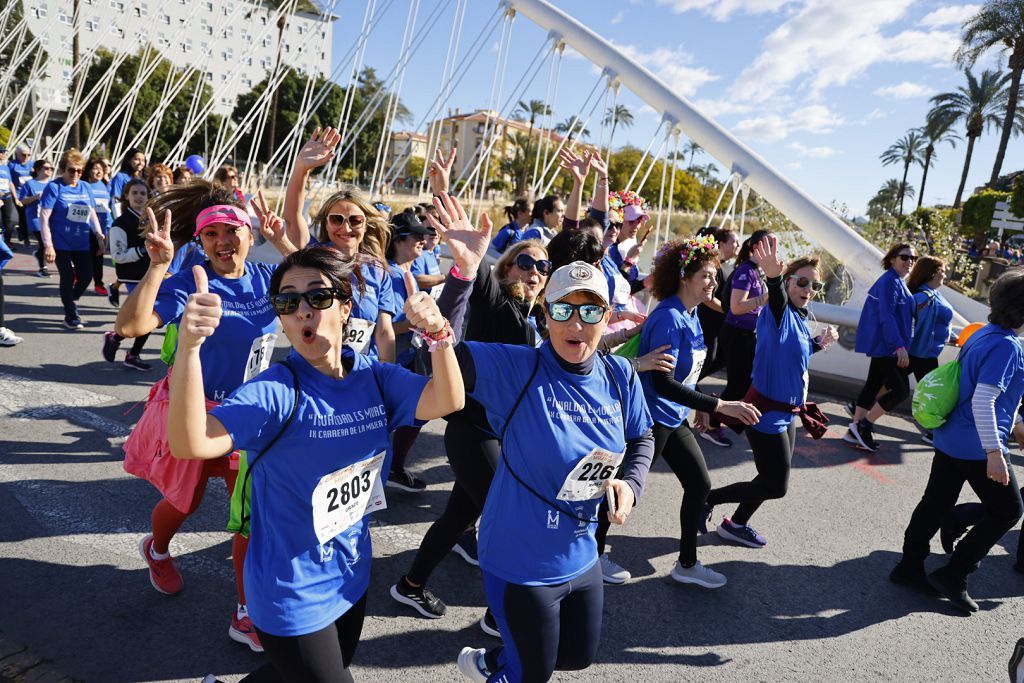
630,348
936,395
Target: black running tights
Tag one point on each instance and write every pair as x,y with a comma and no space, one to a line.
773,455
884,371
679,448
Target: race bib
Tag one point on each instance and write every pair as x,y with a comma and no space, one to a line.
102,205
344,497
698,365
259,355
587,480
78,213
623,293
22,179
358,334
5,186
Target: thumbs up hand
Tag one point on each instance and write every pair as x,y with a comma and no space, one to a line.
202,313
420,308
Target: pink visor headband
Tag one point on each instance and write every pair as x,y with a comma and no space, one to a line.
222,213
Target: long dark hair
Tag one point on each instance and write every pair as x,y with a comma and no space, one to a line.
186,201
327,261
748,244
923,271
574,245
543,205
518,206
127,158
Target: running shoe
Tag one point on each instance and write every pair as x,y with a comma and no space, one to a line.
904,574
706,519
611,572
74,324
698,574
43,272
101,290
8,338
110,345
954,589
114,297
406,482
741,533
471,664
863,435
1014,667
163,574
242,631
466,547
717,437
928,438
134,363
419,598
850,407
489,625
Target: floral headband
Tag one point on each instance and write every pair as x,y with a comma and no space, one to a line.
620,199
691,249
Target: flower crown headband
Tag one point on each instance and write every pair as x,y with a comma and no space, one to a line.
691,249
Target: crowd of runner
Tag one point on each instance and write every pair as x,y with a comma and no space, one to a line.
562,370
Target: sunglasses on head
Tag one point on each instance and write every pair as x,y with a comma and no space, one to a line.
591,314
527,262
805,282
908,258
320,299
336,220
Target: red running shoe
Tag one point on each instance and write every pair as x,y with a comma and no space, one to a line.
242,631
163,574
101,290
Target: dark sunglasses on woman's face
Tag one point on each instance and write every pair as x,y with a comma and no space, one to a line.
591,314
336,220
320,299
806,282
528,263
907,258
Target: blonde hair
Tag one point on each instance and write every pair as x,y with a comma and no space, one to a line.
375,239
72,156
504,264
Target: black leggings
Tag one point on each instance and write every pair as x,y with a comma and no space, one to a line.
679,448
323,656
72,265
884,371
97,260
773,455
473,455
40,249
738,353
1002,508
919,367
966,515
545,628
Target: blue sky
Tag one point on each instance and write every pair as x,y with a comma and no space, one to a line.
819,88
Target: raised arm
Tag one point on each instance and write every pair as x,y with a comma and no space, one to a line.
315,153
271,226
767,253
599,204
579,169
440,172
136,316
192,433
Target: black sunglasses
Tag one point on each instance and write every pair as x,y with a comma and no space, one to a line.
527,262
320,299
907,257
591,314
805,282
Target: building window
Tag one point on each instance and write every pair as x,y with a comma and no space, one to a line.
187,45
206,49
227,55
229,32
64,19
40,12
166,19
248,61
208,75
287,47
66,74
92,25
266,41
208,5
247,82
265,63
161,41
263,21
117,4
301,29
223,78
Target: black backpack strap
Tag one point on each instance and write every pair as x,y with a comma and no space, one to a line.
284,428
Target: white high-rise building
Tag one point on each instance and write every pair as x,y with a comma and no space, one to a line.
232,42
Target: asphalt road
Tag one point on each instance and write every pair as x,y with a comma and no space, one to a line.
814,605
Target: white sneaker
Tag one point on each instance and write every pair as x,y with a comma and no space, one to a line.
470,664
8,338
611,572
698,574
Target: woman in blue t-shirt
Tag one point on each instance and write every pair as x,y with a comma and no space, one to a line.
971,447
93,177
784,348
67,215
683,279
518,214
133,164
933,318
29,194
240,349
547,215
318,428
351,224
884,333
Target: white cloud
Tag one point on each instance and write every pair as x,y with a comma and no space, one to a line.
816,118
723,107
720,10
617,19
905,91
674,66
950,15
813,152
793,166
829,43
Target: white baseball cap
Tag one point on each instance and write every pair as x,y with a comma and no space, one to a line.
578,276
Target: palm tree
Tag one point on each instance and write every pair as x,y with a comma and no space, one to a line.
885,201
998,24
620,115
571,127
693,149
534,108
978,105
935,132
907,150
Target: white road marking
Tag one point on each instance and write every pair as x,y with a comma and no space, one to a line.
24,398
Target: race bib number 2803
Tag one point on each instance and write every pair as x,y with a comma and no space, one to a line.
343,497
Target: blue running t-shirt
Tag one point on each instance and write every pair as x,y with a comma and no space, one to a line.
69,217
670,324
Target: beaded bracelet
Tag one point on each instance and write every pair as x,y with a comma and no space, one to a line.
441,339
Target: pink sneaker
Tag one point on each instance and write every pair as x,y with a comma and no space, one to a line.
242,631
163,574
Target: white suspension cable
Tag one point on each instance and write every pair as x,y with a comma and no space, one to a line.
654,160
721,195
671,195
572,126
550,120
643,157
482,179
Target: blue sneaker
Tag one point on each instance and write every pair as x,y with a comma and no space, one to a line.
466,547
742,534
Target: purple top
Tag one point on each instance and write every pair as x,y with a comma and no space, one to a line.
746,278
